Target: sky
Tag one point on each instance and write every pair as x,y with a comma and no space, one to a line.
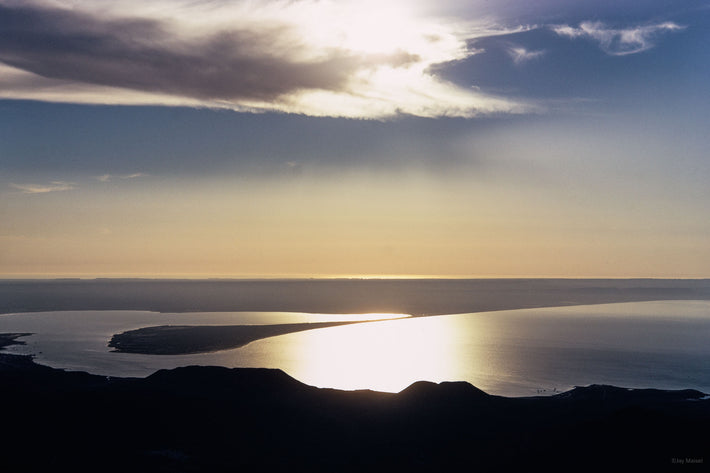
421,138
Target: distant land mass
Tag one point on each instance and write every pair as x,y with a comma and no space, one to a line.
414,296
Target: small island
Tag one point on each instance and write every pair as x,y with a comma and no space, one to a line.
190,339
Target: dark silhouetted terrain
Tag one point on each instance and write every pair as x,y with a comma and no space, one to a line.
218,419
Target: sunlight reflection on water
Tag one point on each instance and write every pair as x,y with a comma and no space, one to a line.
516,352
382,356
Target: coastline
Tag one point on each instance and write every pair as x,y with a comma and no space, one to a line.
8,339
219,419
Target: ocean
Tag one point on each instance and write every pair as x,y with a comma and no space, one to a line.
524,352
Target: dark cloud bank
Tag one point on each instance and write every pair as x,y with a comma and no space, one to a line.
143,54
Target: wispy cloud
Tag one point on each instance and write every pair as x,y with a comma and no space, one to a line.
326,58
618,42
54,186
520,55
110,177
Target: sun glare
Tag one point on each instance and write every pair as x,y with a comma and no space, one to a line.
389,29
385,356
374,28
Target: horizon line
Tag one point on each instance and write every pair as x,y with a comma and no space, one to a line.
404,277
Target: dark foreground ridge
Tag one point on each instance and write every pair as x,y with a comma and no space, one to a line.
218,419
186,339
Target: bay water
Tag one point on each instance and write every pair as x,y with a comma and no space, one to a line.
525,352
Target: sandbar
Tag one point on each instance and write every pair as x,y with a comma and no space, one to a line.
190,339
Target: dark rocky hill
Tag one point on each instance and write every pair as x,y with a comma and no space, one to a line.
218,419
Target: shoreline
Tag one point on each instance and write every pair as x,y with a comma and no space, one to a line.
9,339
220,419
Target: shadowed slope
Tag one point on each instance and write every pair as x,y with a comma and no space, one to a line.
219,419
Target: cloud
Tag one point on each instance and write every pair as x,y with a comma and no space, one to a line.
521,55
110,177
54,186
618,42
322,58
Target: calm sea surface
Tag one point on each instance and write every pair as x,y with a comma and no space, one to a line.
524,352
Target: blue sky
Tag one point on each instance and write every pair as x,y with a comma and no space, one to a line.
436,139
